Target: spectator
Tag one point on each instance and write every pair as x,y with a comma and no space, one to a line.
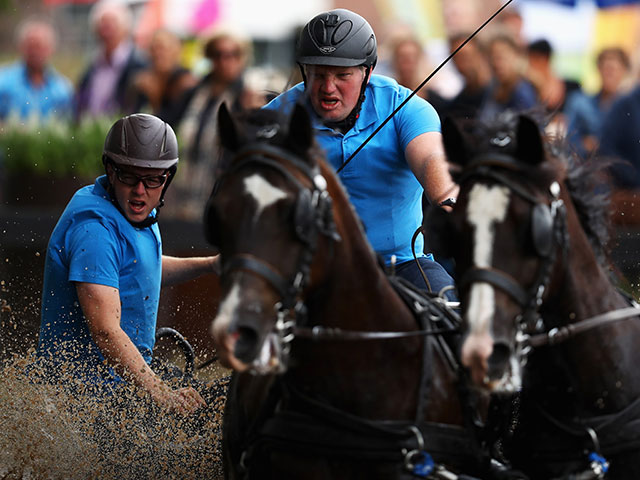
472,63
160,87
614,68
229,51
103,86
510,90
620,140
570,113
511,21
409,68
31,87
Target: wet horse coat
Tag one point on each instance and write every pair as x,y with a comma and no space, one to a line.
295,257
535,287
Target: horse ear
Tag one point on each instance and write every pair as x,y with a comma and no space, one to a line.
227,129
300,129
529,143
454,142
438,231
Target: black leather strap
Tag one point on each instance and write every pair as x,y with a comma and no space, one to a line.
498,279
259,267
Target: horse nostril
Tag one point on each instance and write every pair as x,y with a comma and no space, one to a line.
246,347
499,360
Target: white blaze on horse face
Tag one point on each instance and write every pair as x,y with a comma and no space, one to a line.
487,206
263,193
226,311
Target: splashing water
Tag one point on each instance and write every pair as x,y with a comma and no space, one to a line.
47,432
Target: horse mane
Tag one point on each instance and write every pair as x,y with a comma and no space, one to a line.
585,178
587,185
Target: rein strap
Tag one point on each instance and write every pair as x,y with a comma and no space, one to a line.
561,334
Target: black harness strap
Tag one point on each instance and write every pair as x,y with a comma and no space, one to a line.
307,424
499,279
261,268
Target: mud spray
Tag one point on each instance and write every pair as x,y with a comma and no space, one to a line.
49,432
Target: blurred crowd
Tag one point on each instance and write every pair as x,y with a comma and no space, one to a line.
498,69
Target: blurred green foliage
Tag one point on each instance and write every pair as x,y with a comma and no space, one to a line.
55,148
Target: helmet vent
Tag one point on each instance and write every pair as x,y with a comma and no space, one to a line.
123,138
341,32
163,147
320,33
370,45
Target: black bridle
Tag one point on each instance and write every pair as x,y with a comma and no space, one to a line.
315,220
529,299
531,332
312,217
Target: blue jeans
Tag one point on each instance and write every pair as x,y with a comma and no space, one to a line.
435,273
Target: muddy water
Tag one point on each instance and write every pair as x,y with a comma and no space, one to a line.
48,433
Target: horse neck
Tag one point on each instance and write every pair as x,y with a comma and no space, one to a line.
583,286
354,271
350,291
582,376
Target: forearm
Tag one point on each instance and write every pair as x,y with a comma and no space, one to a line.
123,356
101,308
182,269
437,181
426,157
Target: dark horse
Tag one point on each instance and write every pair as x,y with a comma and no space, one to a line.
338,379
542,316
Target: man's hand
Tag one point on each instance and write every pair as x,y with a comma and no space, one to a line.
183,401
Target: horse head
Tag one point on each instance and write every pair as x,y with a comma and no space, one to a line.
505,233
266,215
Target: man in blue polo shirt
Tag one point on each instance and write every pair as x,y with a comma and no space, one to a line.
30,87
336,53
104,269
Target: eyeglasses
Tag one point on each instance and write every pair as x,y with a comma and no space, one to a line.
131,179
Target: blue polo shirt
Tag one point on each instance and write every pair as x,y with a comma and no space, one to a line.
380,183
20,98
94,243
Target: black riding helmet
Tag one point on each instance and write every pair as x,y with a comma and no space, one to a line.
338,38
142,140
